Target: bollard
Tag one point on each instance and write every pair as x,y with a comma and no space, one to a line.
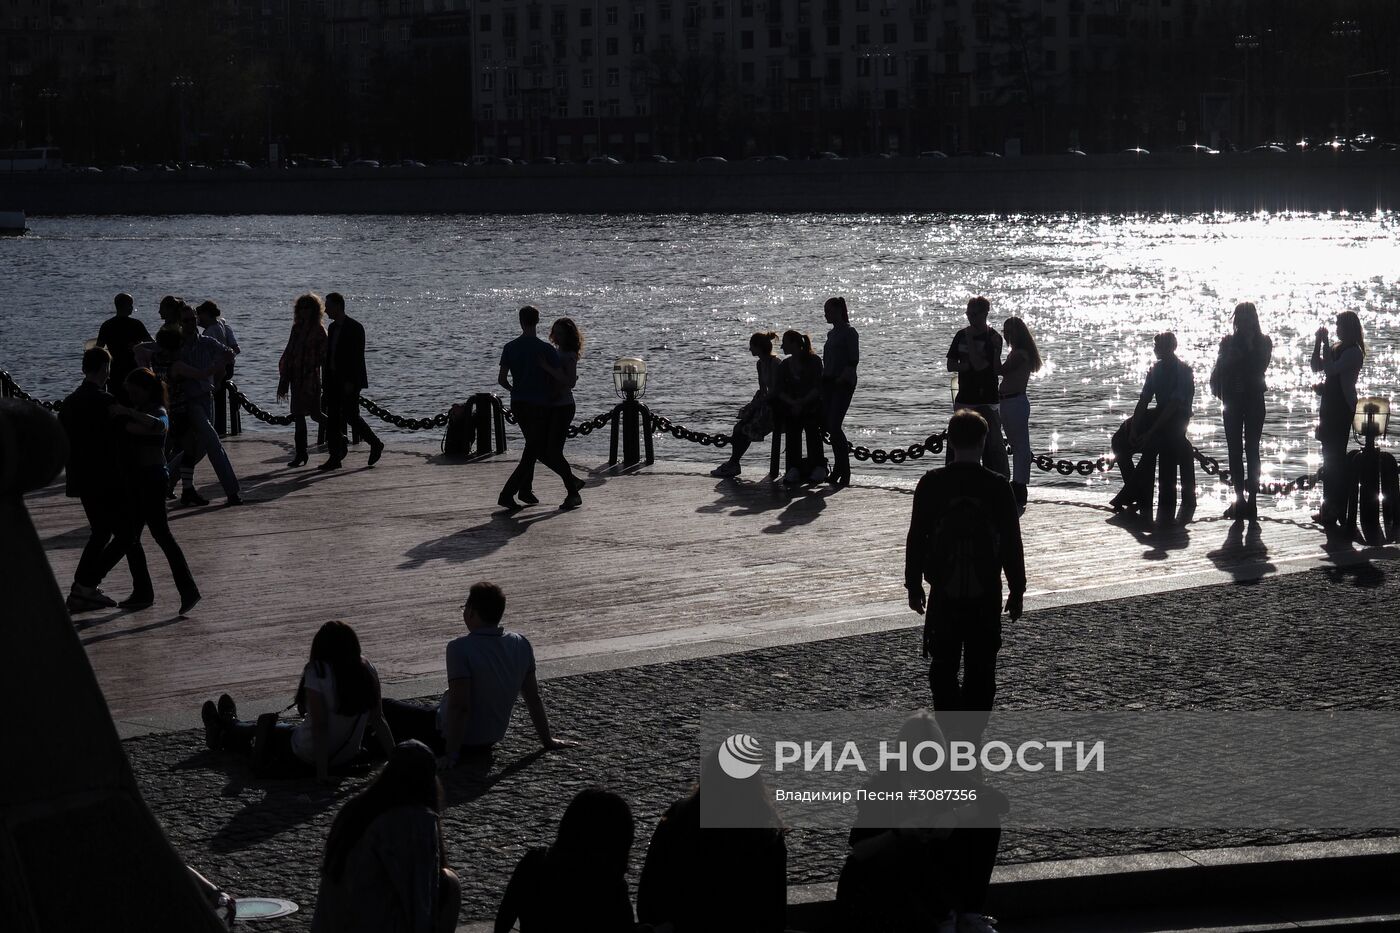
631,416
1373,495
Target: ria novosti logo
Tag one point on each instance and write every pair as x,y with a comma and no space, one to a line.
741,756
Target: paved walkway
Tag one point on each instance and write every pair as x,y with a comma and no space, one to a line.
1320,639
662,564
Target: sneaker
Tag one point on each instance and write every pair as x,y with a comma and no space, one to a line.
506,501
792,477
191,497
137,601
226,707
527,497
976,923
376,450
819,473
213,725
328,466
88,597
78,604
728,468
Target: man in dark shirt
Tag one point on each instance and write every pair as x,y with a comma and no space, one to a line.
975,356
93,477
963,622
840,357
117,336
342,379
1159,432
531,392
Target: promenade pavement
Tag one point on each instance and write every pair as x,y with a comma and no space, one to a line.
671,593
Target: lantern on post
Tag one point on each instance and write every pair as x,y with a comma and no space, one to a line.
1373,493
630,381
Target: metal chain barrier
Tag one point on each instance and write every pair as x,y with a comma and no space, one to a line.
933,444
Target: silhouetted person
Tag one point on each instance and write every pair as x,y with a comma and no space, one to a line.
1238,381
920,865
840,357
487,669
202,360
1022,359
531,392
144,427
1340,364
797,409
1160,434
119,335
963,535
211,319
343,377
94,478
169,311
755,418
704,879
975,355
386,866
339,696
580,882
299,370
567,339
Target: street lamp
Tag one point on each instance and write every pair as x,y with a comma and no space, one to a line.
48,95
1246,43
181,84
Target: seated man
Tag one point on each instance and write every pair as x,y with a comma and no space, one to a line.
1158,432
487,668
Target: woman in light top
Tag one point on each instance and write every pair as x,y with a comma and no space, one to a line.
1238,381
1340,362
339,697
1021,360
755,420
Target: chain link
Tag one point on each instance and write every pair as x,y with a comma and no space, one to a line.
933,444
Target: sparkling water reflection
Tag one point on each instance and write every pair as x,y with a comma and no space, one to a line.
438,296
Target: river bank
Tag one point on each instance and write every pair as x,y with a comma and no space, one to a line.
1171,183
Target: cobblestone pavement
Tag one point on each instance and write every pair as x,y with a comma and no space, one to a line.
1319,639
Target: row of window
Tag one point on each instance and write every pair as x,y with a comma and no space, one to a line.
951,96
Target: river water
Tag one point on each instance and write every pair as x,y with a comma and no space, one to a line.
438,296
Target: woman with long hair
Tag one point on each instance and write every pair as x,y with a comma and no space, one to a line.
339,698
580,882
1238,381
755,418
568,340
1022,360
146,425
385,867
299,368
1340,363
731,879
798,409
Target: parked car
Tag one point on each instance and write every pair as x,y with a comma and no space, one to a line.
655,157
1268,149
236,165
828,156
604,160
1196,149
125,169
546,160
1076,152
1135,151
363,163
712,158
933,154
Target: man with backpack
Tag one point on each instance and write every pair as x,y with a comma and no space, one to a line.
963,536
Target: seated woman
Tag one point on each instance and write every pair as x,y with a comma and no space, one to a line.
920,866
580,882
339,697
797,409
700,880
385,868
756,418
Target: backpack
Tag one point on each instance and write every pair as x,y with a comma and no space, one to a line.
461,430
965,551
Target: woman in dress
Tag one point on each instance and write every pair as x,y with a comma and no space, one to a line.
1238,381
385,869
798,409
756,418
339,697
1021,360
144,432
1340,363
568,340
300,368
